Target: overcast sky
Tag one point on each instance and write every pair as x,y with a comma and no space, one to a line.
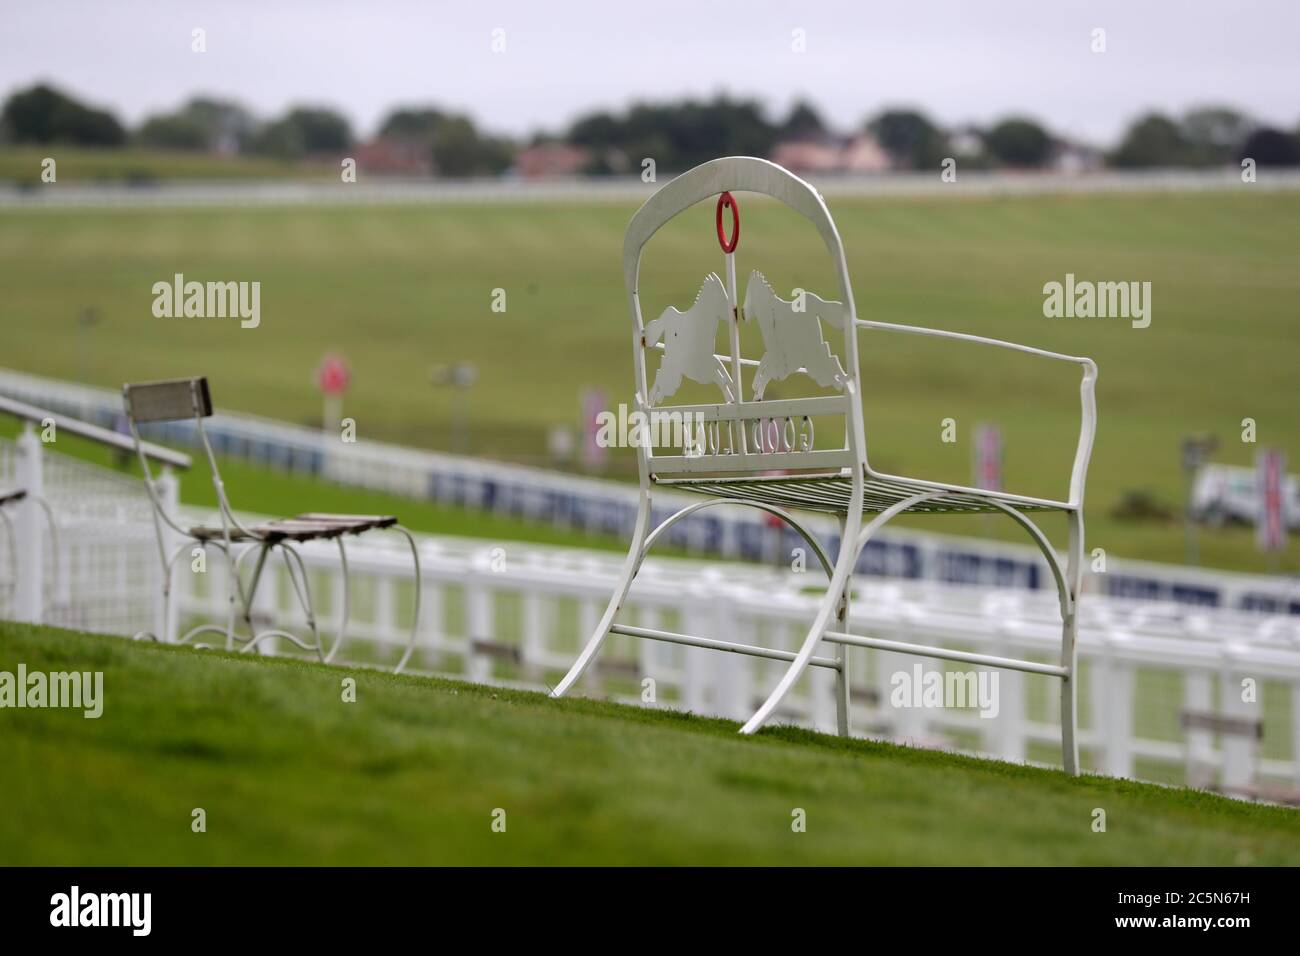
972,61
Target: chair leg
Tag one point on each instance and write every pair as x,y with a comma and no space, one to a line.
347,603
852,541
830,603
1069,650
415,611
842,671
626,576
304,599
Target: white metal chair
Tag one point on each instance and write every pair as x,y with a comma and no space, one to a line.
743,440
179,399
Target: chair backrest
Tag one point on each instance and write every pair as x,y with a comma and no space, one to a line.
167,401
745,433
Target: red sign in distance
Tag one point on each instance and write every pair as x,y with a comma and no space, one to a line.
333,375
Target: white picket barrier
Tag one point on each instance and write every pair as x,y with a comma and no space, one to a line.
514,613
597,505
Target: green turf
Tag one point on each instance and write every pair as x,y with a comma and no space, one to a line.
403,289
411,773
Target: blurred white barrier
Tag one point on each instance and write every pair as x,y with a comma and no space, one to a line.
630,190
1170,692
514,613
602,506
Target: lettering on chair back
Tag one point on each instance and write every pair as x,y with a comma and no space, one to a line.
792,336
690,343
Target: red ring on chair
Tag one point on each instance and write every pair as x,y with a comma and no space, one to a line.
725,201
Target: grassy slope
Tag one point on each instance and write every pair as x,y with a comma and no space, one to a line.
403,289
412,771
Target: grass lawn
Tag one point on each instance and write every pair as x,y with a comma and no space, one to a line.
402,289
411,773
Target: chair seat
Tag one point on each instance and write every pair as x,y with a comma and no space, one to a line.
10,495
304,527
831,493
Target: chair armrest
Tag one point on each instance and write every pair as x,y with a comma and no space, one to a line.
1087,391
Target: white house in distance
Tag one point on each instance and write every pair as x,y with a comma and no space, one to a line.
832,154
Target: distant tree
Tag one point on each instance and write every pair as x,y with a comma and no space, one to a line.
596,130
804,122
679,134
909,138
1152,140
1214,134
203,123
304,131
228,125
174,131
1018,142
1272,147
42,114
459,150
417,124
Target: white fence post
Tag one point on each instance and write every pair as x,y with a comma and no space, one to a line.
532,649
1200,743
1121,682
731,672
1238,748
30,573
478,627
1006,734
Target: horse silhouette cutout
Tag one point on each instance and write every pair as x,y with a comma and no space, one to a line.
792,337
690,343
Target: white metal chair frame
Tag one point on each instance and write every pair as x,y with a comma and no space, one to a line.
838,480
263,542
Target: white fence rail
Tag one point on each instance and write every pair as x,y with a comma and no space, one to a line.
513,613
598,506
1170,692
625,189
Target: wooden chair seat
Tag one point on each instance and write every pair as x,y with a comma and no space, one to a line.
9,495
304,527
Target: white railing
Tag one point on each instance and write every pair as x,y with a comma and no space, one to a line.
623,189
597,505
515,613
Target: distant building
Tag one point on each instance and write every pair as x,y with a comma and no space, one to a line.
394,157
832,154
1071,157
551,159
966,141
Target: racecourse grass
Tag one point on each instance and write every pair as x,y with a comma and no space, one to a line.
411,773
400,290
